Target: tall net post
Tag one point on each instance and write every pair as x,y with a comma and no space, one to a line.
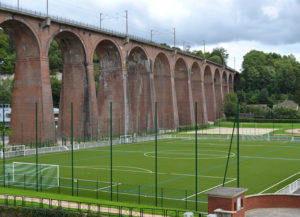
196,158
111,159
238,143
72,151
155,120
36,148
3,140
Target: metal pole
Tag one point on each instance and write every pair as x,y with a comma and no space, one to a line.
18,4
111,159
204,48
72,152
238,143
196,157
3,146
36,148
100,20
126,22
227,162
174,37
151,32
155,153
47,9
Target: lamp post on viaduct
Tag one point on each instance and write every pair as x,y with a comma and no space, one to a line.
133,75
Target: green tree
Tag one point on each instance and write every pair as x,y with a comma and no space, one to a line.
229,104
56,87
55,58
6,87
221,53
7,54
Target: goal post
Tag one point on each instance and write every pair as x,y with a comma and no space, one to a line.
24,174
125,139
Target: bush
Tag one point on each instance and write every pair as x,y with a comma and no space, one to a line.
229,104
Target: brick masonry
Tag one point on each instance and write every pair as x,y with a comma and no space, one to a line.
133,74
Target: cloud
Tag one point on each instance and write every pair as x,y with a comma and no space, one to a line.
241,24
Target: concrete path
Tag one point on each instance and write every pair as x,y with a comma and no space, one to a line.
273,212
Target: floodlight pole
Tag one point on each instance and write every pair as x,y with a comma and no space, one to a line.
174,36
155,153
126,22
111,157
18,4
151,34
238,143
3,140
196,156
47,8
227,162
100,20
72,148
36,147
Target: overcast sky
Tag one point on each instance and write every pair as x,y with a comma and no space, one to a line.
237,25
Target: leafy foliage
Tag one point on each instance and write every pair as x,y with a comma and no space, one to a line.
7,54
269,78
56,87
229,104
218,55
6,86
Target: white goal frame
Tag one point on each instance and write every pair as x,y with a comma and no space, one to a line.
34,165
125,139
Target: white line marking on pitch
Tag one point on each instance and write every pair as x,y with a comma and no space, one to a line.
136,169
208,189
272,158
279,182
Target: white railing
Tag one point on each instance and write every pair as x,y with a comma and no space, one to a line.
291,188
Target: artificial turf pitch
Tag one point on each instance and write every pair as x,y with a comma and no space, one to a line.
262,164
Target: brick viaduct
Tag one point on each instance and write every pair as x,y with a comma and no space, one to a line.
133,75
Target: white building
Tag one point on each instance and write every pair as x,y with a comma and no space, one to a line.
7,111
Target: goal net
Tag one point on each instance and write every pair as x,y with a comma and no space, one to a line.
13,151
25,174
124,139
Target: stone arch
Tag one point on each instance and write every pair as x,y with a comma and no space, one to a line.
75,86
230,83
110,87
218,93
31,86
163,89
182,92
224,84
138,91
197,90
209,95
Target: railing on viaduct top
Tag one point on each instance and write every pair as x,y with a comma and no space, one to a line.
91,27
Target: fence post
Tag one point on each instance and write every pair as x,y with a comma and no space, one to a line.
77,186
3,147
162,197
41,183
111,159
117,192
139,194
72,152
186,200
24,181
59,184
155,153
196,157
36,148
97,186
